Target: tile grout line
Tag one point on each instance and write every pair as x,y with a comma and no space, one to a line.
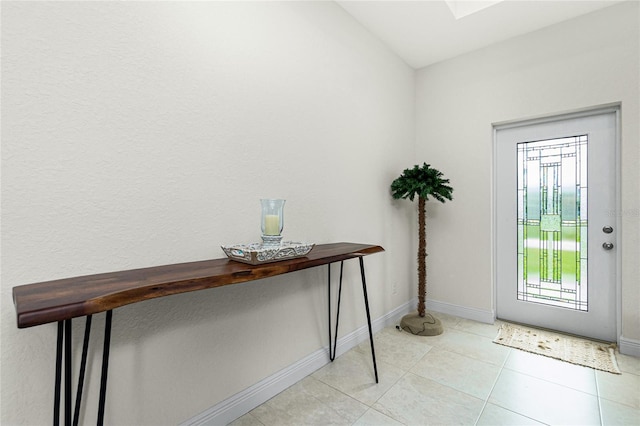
486,400
533,376
403,375
502,368
595,376
369,406
597,391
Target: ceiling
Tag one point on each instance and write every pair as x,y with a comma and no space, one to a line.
424,32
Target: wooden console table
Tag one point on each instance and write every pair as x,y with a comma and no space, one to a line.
62,300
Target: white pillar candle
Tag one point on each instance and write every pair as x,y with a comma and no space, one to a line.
271,224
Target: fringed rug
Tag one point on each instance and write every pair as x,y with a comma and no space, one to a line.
601,356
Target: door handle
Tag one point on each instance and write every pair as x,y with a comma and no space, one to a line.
607,229
607,246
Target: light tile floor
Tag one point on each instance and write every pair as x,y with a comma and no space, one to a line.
460,377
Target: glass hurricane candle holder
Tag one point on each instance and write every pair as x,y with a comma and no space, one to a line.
272,221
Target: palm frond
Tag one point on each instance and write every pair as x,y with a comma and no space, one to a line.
423,181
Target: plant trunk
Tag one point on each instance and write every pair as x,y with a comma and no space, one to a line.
422,258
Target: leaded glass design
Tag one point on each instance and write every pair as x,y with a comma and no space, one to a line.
552,222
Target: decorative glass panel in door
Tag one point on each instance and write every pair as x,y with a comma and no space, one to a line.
552,222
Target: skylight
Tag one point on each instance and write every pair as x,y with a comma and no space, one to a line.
462,8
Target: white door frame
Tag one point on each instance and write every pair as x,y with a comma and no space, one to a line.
616,220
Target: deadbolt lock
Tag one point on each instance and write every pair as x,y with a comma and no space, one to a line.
607,229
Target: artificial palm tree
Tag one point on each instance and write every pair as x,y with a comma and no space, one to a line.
423,181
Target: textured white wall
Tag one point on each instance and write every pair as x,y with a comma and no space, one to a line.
588,61
140,134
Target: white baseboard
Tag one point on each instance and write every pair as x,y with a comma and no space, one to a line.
629,346
475,314
241,403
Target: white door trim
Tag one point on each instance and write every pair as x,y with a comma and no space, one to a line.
548,118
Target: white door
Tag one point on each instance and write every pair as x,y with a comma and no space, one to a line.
555,242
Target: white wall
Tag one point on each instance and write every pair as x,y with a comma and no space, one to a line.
588,61
144,133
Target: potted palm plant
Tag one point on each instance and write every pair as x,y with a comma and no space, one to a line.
424,182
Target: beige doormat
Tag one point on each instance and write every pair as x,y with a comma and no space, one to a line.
601,356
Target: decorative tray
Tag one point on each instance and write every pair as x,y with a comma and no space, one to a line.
258,253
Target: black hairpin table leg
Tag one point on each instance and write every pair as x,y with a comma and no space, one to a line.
63,354
366,304
64,337
67,372
333,344
58,385
105,367
83,367
332,352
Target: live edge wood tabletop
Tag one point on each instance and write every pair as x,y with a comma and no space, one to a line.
58,300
